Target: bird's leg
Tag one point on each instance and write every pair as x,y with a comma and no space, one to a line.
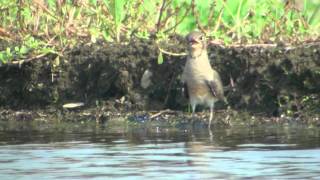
193,110
210,134
211,114
193,105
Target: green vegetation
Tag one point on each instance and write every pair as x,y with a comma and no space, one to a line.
51,26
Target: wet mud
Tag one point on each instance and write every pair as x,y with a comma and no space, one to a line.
126,79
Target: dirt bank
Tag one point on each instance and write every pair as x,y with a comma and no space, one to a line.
269,80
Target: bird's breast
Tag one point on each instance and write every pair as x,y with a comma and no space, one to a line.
198,89
198,73
199,93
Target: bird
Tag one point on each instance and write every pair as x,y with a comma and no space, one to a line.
202,83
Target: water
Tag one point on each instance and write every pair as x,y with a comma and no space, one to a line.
159,152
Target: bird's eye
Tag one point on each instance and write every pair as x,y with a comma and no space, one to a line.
201,38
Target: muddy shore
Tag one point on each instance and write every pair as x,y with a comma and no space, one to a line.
275,83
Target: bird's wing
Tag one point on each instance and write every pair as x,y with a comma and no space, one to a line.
215,86
184,82
185,90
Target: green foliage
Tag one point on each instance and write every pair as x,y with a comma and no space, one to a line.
160,58
29,45
116,7
58,24
16,52
6,55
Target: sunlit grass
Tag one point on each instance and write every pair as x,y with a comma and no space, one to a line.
60,24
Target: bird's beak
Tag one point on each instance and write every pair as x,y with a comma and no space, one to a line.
194,41
194,44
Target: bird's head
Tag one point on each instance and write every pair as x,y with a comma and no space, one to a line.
196,43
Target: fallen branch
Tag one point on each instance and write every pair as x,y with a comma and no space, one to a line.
20,62
171,53
28,60
286,46
160,113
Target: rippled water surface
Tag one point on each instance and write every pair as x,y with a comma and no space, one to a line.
159,152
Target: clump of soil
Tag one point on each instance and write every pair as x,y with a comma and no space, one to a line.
272,81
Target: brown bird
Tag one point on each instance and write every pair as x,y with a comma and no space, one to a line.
202,83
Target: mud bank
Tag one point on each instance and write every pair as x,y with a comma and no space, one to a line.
271,81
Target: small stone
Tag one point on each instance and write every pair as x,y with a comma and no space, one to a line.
146,79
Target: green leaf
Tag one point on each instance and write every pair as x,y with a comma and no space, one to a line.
117,10
160,58
2,57
94,2
47,50
106,36
8,51
23,50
